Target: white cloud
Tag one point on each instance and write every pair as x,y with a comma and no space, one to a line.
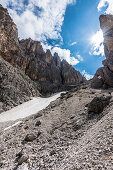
65,54
44,24
86,75
97,44
80,58
101,4
46,46
74,43
97,39
48,22
106,3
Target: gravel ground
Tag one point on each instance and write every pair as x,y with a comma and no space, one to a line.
61,137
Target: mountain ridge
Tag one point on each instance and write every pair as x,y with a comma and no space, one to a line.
45,73
29,55
76,130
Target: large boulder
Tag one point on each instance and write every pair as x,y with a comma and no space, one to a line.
98,104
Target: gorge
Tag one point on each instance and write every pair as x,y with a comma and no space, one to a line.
69,130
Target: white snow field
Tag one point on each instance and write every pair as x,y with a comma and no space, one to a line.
28,108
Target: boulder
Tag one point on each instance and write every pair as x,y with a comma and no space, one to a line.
19,154
98,104
23,158
38,123
30,137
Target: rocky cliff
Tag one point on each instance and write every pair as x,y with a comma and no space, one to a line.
52,73
9,44
104,76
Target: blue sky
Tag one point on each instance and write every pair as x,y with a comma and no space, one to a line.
80,24
69,27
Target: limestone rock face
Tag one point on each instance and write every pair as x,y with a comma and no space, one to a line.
104,75
9,44
40,66
46,69
70,75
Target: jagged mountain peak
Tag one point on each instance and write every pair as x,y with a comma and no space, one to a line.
29,55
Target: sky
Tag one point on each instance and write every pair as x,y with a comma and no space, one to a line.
69,27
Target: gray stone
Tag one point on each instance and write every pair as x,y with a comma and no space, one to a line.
30,137
38,123
23,159
98,104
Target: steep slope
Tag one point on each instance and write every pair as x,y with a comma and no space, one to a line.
104,75
61,136
15,86
52,73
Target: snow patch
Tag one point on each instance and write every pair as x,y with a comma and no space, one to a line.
28,108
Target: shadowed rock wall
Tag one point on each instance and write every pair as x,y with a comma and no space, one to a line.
104,75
